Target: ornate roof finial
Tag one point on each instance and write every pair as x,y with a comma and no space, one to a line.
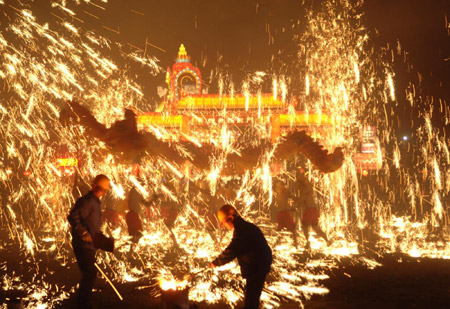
182,54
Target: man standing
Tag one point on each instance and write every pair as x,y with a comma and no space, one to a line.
310,214
85,219
250,248
134,222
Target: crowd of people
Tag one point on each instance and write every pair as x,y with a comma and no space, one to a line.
293,205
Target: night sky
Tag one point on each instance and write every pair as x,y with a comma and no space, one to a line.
231,40
238,37
421,30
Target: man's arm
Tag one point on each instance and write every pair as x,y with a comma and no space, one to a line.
150,201
81,210
235,249
141,199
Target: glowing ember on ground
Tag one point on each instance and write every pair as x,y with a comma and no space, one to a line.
172,284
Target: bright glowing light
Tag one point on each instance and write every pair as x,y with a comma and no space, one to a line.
172,284
43,64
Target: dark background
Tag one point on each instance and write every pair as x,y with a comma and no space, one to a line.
234,38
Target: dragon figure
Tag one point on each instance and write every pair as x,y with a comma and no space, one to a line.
128,144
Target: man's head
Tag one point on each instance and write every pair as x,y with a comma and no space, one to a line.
279,188
226,215
129,114
100,185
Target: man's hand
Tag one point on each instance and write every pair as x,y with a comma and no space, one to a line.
156,196
211,265
86,237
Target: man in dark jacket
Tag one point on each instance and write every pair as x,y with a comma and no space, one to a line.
85,219
250,248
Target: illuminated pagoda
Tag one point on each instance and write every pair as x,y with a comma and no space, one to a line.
188,109
183,79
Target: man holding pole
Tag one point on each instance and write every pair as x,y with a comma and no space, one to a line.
85,219
250,247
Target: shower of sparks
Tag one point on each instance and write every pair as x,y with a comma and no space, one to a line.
44,64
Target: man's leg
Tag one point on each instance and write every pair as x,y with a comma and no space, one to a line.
253,290
86,262
319,232
305,228
134,224
295,231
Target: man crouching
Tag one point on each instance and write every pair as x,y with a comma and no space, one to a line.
250,247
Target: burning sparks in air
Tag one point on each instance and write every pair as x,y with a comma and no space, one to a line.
44,64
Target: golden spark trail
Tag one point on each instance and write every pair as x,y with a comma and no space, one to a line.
45,63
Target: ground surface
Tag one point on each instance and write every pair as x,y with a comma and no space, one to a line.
401,282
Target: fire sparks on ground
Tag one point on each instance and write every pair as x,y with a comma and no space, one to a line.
44,64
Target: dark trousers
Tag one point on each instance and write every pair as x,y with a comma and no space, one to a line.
86,263
253,290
